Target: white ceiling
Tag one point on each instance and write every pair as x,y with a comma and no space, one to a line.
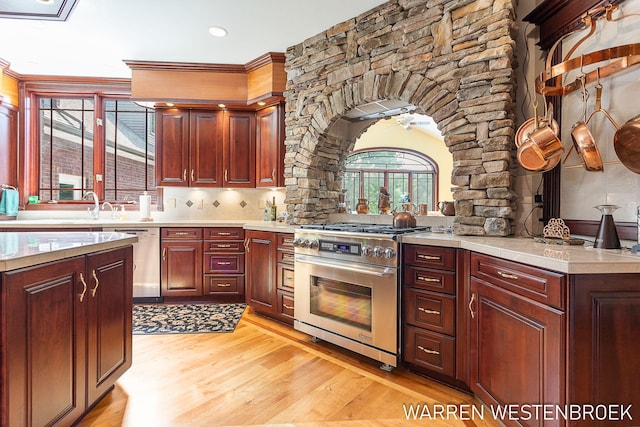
100,34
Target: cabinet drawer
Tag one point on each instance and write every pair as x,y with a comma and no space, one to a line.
286,257
429,350
223,233
214,263
224,246
228,285
430,256
285,304
181,234
431,280
535,283
430,310
286,276
285,240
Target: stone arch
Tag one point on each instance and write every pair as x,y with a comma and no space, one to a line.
452,60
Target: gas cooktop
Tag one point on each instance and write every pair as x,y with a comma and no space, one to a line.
364,228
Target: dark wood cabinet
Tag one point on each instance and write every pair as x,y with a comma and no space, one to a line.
224,262
604,344
429,298
239,149
517,353
270,147
66,338
181,262
270,274
8,144
189,148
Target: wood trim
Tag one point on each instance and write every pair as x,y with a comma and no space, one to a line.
626,230
267,58
184,66
556,18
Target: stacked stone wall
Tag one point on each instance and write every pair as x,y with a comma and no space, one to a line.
452,59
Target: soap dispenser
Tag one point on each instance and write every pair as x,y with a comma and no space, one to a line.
607,235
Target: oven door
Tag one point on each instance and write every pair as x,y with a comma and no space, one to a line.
355,301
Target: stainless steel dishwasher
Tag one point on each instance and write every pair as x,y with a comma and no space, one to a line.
146,262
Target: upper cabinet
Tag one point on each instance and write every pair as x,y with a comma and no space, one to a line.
200,148
270,147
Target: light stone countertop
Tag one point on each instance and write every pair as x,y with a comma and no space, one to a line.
24,249
572,259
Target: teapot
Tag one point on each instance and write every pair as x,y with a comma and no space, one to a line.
447,208
404,219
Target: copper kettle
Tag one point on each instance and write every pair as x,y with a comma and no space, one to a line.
404,219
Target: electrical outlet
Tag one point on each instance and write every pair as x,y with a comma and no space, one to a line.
200,204
171,203
537,198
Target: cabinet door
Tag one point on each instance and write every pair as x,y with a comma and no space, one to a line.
181,270
8,145
260,271
239,149
110,279
270,147
517,351
205,139
172,147
46,332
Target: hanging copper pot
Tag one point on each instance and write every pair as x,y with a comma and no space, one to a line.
626,143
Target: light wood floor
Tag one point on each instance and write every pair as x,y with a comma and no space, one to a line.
266,374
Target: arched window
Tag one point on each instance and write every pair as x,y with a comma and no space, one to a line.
402,172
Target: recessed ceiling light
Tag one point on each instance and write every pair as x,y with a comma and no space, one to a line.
261,103
221,105
218,32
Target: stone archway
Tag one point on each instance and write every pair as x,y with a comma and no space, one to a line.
452,59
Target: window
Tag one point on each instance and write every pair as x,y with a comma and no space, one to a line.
95,144
401,172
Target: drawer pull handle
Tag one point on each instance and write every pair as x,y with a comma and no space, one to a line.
507,275
427,311
164,254
473,313
84,287
288,258
184,175
428,279
426,350
288,307
224,246
193,175
181,233
221,233
224,285
95,289
429,257
224,263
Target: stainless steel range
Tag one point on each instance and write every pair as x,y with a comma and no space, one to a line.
347,286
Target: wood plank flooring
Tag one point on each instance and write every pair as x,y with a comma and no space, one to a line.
265,373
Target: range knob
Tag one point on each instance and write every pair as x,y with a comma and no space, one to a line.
313,244
377,251
367,250
389,253
300,243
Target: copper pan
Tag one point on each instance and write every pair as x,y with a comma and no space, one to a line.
626,143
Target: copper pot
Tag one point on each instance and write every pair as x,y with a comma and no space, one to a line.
447,208
626,143
403,219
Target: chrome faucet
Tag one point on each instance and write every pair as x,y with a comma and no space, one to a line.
95,212
113,211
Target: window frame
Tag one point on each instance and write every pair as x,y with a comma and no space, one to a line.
422,156
31,89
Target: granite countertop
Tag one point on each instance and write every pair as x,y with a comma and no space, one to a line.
24,249
114,223
571,259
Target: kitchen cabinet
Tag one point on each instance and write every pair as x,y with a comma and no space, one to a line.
429,297
202,263
69,327
239,149
224,262
270,147
8,145
270,274
517,337
181,262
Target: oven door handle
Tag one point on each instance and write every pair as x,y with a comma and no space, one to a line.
386,272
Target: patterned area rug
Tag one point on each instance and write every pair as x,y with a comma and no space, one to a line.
185,318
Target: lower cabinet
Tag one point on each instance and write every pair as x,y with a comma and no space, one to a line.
181,262
269,274
69,327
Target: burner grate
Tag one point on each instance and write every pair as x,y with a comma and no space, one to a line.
365,228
